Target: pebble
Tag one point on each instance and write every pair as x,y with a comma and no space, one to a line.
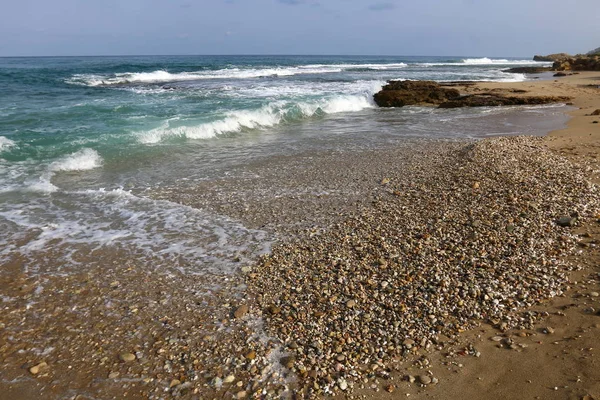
350,303
594,294
288,361
113,375
251,355
342,384
424,379
241,394
174,382
241,311
229,379
566,221
36,369
127,357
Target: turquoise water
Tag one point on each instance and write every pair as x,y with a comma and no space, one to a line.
85,140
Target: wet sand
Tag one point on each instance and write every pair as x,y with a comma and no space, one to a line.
126,331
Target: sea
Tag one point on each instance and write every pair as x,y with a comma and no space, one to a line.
87,142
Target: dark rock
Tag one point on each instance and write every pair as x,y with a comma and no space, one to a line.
566,221
528,70
597,112
404,93
493,100
560,74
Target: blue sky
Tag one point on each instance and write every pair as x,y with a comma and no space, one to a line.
388,27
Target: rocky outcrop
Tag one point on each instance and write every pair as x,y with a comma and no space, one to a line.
405,93
493,100
528,70
552,57
578,63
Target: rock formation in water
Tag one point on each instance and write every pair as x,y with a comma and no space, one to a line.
430,93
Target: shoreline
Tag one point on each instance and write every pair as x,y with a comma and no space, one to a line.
172,335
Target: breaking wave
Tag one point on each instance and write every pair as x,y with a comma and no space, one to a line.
5,143
268,116
82,160
161,76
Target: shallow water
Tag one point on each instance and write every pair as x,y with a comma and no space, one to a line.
85,143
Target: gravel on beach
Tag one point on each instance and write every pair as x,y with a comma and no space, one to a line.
381,255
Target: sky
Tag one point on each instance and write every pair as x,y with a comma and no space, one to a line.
491,28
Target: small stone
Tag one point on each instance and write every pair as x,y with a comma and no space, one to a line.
594,294
241,311
288,361
342,384
548,330
36,369
497,338
174,382
410,378
476,185
350,303
246,269
274,310
113,375
408,343
566,221
127,357
390,388
424,379
229,379
251,355
241,394
385,181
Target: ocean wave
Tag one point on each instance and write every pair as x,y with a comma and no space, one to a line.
82,160
268,116
161,76
485,61
6,143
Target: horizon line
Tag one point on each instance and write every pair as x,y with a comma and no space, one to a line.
252,55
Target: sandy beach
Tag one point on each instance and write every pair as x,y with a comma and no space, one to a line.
434,269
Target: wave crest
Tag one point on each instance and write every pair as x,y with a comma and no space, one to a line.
82,160
161,76
6,143
268,116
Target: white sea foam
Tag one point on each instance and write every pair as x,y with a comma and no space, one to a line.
485,61
191,240
82,160
161,76
6,143
268,116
